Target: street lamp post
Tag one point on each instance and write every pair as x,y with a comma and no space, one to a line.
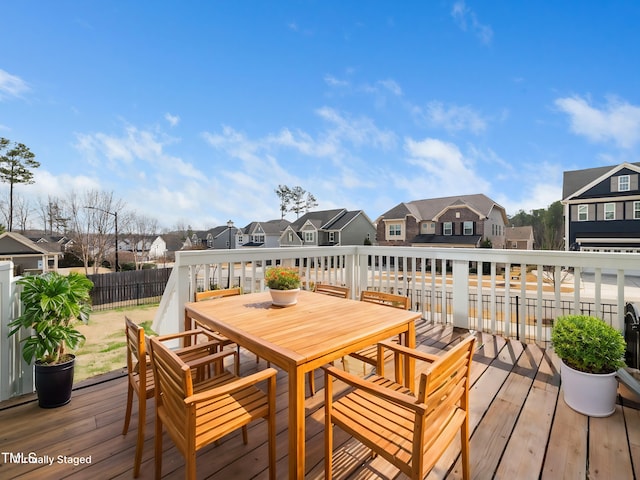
230,227
115,221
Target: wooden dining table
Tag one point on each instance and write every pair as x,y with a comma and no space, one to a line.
300,338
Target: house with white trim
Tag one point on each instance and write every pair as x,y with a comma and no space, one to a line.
602,208
457,221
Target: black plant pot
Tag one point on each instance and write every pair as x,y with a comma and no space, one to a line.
54,383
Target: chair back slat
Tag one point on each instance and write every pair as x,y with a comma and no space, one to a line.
382,298
173,381
445,381
213,294
333,290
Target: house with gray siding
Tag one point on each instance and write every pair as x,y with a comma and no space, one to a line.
262,234
602,208
328,228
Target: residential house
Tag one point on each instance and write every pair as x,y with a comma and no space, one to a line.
221,236
328,228
261,234
519,238
28,256
602,208
457,221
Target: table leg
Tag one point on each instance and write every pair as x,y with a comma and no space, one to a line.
296,424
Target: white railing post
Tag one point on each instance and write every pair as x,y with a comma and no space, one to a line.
460,293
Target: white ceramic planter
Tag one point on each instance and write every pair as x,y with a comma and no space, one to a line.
588,393
284,298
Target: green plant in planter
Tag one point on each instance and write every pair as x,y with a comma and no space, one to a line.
588,344
282,278
51,303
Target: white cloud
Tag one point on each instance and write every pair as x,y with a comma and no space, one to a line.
11,85
447,168
361,131
466,18
335,82
617,121
454,118
172,119
392,86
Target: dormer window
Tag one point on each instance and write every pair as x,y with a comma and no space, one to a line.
624,183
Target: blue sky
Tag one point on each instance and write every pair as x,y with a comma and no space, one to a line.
194,112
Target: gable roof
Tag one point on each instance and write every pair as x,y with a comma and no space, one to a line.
12,243
575,182
429,209
318,219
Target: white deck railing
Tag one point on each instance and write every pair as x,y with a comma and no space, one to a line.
521,307
16,375
518,306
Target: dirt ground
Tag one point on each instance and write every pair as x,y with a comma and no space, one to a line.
105,349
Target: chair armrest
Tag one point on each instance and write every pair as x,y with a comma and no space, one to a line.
403,399
236,385
187,333
411,352
202,361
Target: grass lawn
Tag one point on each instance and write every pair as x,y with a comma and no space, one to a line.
105,348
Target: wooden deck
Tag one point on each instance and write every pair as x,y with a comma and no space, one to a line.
521,428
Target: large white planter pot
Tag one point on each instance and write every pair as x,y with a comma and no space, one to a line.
284,298
588,393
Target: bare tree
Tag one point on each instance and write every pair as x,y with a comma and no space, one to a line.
139,234
51,213
21,212
93,218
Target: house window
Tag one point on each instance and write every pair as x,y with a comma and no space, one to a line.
332,237
447,228
240,239
624,185
290,237
395,230
309,237
609,211
636,210
467,228
583,215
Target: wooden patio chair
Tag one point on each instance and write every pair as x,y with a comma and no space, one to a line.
409,431
195,415
334,291
369,355
190,323
140,375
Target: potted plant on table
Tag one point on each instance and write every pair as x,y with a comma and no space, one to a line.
51,302
591,352
284,285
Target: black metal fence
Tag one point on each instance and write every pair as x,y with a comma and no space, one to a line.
124,289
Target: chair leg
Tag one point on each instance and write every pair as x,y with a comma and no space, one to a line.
127,414
464,441
190,461
245,437
158,448
142,416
